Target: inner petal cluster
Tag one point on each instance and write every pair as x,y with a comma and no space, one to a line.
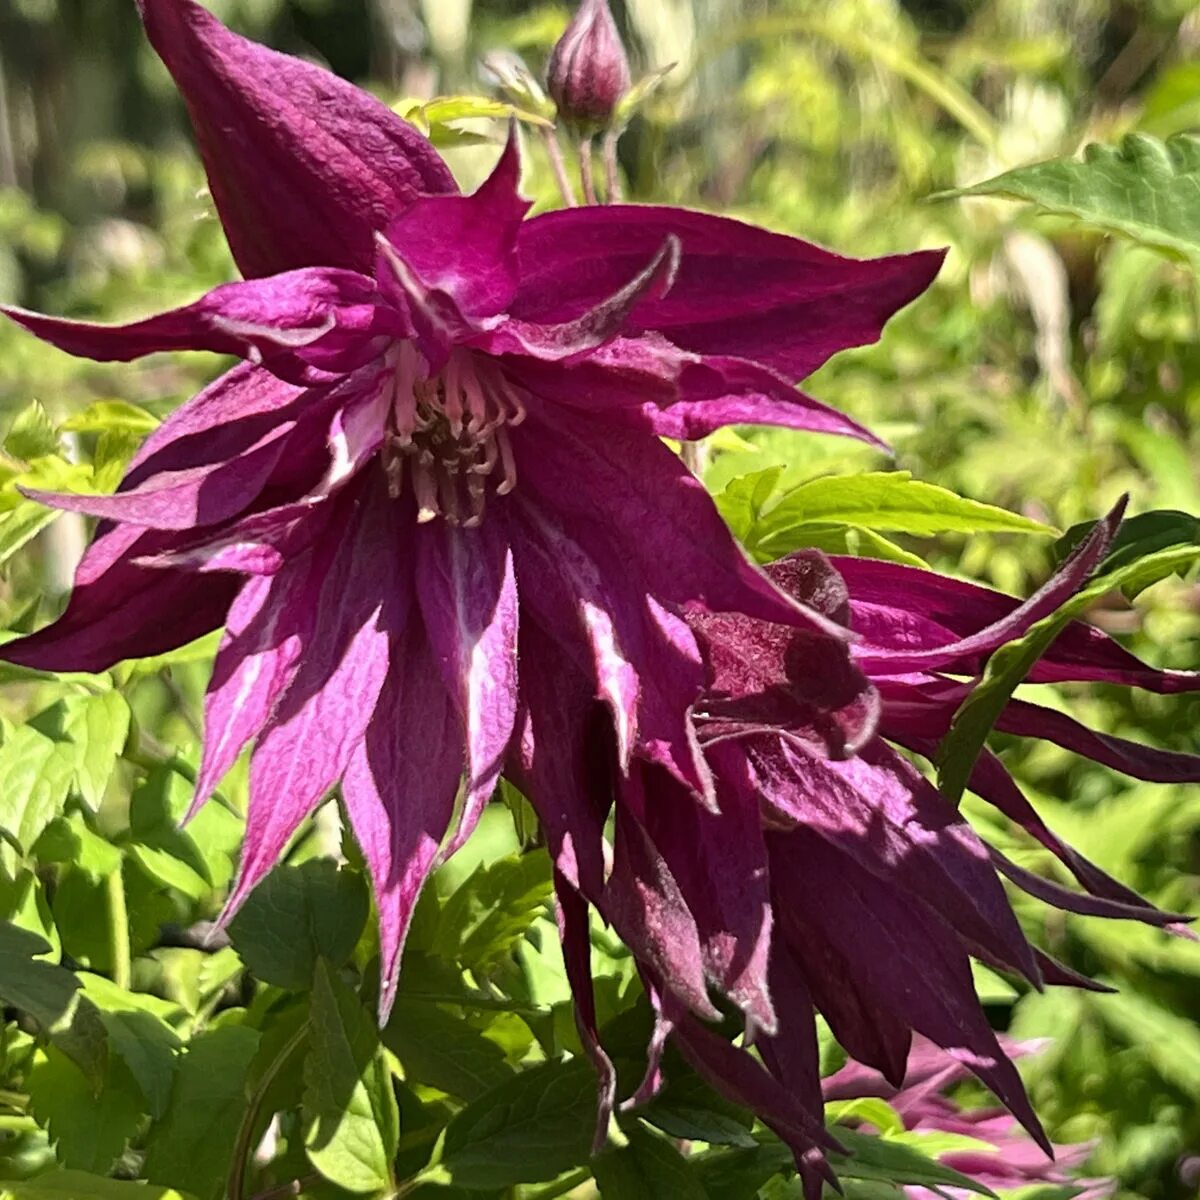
448,433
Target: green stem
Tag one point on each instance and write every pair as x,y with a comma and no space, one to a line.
118,930
562,1186
242,1147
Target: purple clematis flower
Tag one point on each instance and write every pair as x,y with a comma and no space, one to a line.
832,875
1003,1156
441,455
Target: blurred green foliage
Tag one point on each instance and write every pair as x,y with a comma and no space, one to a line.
1051,368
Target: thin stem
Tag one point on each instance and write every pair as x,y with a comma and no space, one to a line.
559,167
242,1147
612,169
585,171
294,1187
562,1186
118,930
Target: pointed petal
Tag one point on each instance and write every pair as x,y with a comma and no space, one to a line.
719,861
400,787
603,481
465,247
303,166
792,1053
1130,758
325,317
577,958
561,761
900,956
879,810
1063,584
120,610
740,290
597,325
468,594
322,717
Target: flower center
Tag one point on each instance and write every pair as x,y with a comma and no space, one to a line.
449,435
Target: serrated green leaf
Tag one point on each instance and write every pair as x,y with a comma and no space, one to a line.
89,1127
69,840
21,524
528,1130
892,502
348,1099
92,729
296,916
171,871
32,434
439,1050
836,539
1171,1040
891,1161
148,1048
870,1109
80,1185
1008,666
647,1167
192,1146
24,903
738,1174
37,778
489,913
1145,189
107,415
742,501
443,109
50,995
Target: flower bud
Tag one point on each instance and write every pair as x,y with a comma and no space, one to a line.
588,71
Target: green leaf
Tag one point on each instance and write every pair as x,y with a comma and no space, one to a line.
90,1128
1145,189
528,1130
79,1185
297,915
891,501
148,1047
92,730
688,1108
443,109
739,1174
37,780
870,1109
21,524
69,840
743,500
439,1050
1169,1039
32,434
1009,665
348,1094
106,416
647,1167
489,913
836,539
193,1145
1139,536
50,995
891,1161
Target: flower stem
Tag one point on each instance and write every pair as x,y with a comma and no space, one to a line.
612,169
241,1151
118,930
558,166
585,171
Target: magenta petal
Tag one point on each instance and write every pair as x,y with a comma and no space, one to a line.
597,325
719,861
791,1053
739,291
321,719
399,789
959,654
1130,758
561,760
643,903
601,480
577,958
468,595
466,246
303,166
121,610
880,811
279,320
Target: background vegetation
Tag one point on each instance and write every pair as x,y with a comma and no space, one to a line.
1051,368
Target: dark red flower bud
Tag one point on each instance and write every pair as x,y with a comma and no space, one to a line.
588,72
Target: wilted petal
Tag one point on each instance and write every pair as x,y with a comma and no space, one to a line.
576,941
1130,758
303,166
320,720
468,594
963,653
879,810
739,291
400,787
